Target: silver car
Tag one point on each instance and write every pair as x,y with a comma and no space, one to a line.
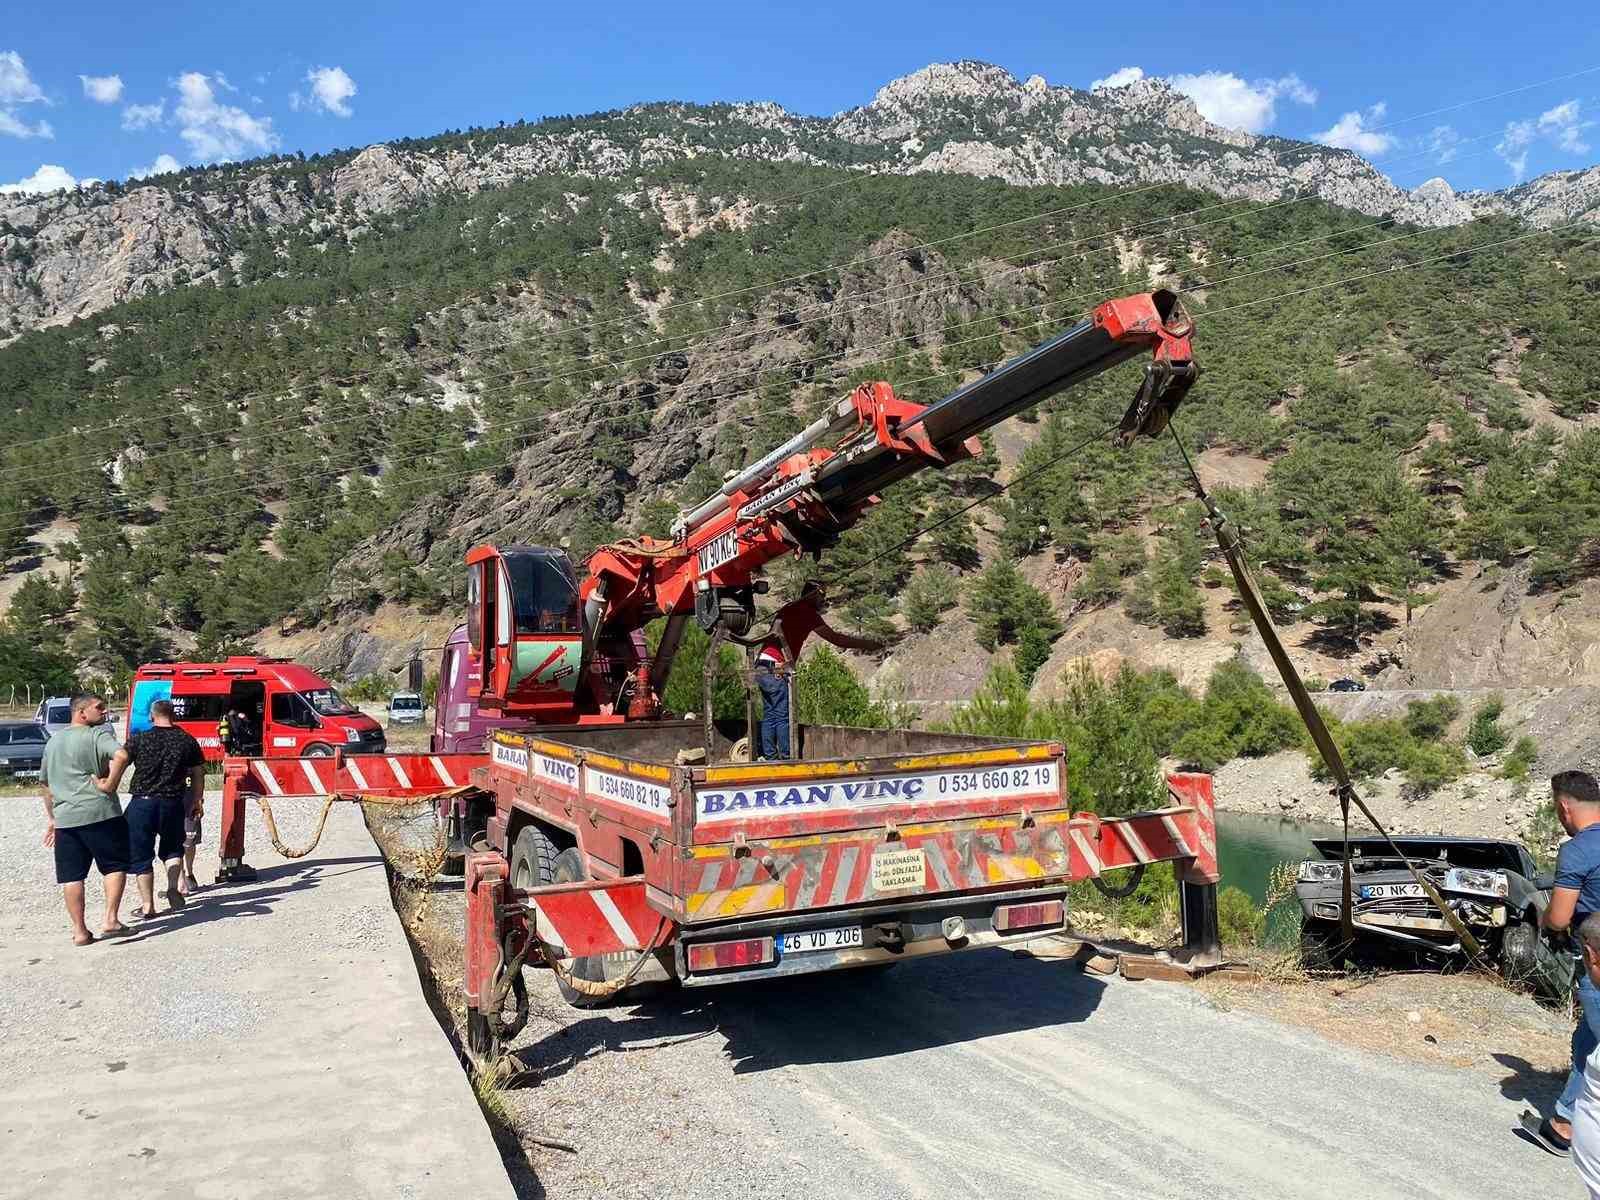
405,708
21,749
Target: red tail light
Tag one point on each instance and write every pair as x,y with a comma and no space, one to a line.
1009,918
720,956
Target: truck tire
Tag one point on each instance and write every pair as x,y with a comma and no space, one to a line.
568,868
317,750
533,859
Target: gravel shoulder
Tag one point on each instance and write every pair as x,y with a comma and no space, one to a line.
269,1040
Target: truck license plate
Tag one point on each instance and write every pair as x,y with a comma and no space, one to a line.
721,549
819,939
1390,891
898,870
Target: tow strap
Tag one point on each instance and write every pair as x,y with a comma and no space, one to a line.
1233,550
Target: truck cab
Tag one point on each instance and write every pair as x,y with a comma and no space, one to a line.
289,710
459,725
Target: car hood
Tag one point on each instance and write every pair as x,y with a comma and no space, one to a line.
1484,854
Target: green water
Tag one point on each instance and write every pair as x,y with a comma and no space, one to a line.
1248,847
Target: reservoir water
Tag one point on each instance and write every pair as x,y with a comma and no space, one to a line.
1248,847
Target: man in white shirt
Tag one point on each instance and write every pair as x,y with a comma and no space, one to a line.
1586,1113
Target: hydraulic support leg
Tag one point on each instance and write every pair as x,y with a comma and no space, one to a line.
230,844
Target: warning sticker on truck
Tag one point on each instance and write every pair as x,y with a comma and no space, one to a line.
898,870
875,791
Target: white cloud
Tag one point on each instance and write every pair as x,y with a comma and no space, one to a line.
17,87
1118,78
1225,99
15,126
102,89
1563,125
331,89
217,131
164,164
1359,132
1442,142
48,178
143,116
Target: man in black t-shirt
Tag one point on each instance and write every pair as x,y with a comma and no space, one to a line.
169,780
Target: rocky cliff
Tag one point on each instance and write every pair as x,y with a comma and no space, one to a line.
65,255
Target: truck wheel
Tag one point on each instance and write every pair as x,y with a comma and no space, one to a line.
317,750
533,859
1519,951
568,868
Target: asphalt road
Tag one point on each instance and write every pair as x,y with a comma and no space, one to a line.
997,1076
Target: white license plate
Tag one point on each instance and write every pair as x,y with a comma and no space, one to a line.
808,940
721,549
1390,891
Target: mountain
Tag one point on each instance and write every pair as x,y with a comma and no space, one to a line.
66,255
339,373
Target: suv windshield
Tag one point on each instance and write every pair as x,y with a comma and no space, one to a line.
59,714
405,702
329,703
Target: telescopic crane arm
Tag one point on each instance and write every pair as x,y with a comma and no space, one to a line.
808,491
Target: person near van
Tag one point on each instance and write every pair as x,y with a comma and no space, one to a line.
168,780
84,822
239,732
1576,896
791,626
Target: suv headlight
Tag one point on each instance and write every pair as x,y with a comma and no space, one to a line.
1316,871
352,735
1485,883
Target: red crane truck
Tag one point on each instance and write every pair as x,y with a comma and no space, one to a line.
611,843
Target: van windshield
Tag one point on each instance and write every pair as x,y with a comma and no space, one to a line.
329,703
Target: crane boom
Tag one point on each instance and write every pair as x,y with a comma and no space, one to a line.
803,495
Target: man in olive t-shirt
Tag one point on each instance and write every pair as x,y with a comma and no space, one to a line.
84,824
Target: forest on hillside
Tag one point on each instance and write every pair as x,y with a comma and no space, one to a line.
225,450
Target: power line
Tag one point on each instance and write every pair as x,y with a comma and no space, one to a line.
1458,253
906,250
828,310
356,464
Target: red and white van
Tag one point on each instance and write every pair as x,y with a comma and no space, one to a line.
296,712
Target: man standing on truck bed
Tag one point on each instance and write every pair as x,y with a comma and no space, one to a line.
169,779
84,823
780,654
1576,896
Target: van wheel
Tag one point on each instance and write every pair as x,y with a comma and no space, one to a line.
317,750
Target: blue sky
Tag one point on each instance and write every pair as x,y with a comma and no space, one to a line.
96,90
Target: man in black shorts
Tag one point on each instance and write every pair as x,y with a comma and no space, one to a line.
84,822
168,780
